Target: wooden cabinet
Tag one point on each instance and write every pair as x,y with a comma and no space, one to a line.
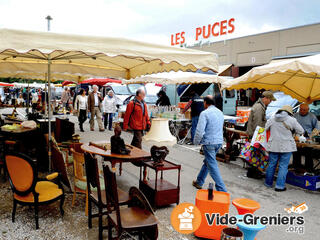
159,191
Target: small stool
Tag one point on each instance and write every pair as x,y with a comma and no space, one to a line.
249,231
245,205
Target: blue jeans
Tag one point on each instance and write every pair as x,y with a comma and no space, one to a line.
210,165
283,159
108,118
194,123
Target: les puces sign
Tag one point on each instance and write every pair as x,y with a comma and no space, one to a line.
211,30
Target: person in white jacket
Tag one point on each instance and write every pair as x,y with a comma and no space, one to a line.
81,108
109,108
280,145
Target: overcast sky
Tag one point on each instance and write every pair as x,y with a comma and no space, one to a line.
156,20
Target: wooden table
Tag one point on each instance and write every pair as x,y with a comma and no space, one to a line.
17,131
314,148
136,154
30,142
231,135
308,145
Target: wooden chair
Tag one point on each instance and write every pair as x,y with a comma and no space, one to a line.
67,158
27,188
137,219
76,147
80,180
5,146
58,165
97,194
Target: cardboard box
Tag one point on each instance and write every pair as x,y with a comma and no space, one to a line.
307,182
188,114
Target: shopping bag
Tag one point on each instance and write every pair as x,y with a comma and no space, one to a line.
259,138
256,157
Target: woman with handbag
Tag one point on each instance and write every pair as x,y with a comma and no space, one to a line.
281,144
81,106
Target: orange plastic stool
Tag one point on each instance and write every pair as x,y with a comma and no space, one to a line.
219,204
245,205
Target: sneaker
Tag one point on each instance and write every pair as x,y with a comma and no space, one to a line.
280,190
190,143
196,185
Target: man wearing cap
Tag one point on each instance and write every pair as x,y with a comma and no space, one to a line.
258,112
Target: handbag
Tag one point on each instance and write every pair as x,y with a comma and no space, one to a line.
256,157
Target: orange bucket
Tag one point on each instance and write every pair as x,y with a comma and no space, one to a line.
219,204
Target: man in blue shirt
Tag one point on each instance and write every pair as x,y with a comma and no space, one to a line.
209,133
309,122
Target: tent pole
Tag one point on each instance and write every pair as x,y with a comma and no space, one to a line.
49,112
175,94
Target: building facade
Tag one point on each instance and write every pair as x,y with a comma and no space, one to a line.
254,50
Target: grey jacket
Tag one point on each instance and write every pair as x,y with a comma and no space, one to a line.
257,117
281,126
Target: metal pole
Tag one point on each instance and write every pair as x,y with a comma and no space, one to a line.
49,18
49,112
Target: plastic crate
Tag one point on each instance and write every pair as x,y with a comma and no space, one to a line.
306,182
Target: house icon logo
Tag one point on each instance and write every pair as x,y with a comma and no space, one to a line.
186,218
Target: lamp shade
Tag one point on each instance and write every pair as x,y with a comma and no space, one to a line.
160,132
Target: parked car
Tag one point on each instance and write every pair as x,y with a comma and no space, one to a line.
282,99
122,91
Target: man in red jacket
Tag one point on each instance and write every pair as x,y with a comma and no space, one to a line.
137,118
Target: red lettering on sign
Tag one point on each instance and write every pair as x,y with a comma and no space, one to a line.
172,43
183,38
198,32
204,31
215,34
216,29
230,23
223,27
177,38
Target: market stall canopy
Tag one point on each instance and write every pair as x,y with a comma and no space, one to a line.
178,78
2,84
299,78
75,56
225,70
66,83
101,81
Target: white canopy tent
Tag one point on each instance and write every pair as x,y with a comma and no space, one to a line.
44,55
177,78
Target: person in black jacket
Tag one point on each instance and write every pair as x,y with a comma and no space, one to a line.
197,106
163,99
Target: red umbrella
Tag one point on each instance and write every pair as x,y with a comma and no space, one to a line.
101,81
6,84
67,83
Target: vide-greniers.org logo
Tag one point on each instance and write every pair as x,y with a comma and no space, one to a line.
186,218
250,219
295,223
